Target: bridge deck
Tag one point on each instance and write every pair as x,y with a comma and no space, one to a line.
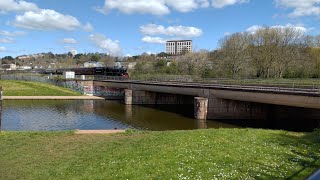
247,88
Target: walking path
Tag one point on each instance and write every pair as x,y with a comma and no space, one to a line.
99,131
52,98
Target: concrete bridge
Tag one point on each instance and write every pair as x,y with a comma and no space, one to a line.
216,101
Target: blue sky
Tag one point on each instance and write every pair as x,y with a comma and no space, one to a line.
131,27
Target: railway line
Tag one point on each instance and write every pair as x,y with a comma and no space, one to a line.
252,88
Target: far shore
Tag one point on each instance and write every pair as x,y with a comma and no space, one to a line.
52,98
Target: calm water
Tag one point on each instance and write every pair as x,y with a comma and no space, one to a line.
30,115
86,114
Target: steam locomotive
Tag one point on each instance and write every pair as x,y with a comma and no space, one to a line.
101,71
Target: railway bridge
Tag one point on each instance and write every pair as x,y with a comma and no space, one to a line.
218,101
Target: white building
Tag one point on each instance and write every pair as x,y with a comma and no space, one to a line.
9,66
178,47
68,75
22,68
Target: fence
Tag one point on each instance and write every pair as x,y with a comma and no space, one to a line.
287,85
272,83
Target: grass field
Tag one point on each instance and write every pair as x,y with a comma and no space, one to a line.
27,88
200,154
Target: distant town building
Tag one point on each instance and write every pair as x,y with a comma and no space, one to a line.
24,57
22,68
8,67
178,47
93,64
68,74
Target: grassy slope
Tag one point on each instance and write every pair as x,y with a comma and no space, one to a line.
223,153
27,88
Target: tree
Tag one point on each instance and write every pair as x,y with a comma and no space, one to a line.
50,55
233,49
7,60
10,58
160,65
162,54
77,56
70,54
95,58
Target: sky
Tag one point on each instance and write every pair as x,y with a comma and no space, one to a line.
132,27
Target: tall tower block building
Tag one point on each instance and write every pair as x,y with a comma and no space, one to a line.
178,47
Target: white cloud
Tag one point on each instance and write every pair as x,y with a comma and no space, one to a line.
12,34
223,3
112,47
227,34
46,19
69,41
3,49
162,7
300,7
180,31
7,40
254,28
155,7
88,27
17,6
187,5
153,40
300,28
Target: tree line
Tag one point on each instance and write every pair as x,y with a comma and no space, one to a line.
269,52
266,53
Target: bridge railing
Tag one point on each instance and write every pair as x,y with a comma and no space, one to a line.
116,78
275,83
308,86
285,83
288,85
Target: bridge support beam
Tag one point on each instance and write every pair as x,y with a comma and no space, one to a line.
200,108
230,109
128,96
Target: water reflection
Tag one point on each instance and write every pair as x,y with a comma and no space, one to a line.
68,115
87,114
55,115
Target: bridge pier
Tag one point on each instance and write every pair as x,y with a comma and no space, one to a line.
128,97
200,108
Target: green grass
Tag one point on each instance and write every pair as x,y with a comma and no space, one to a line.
200,154
27,88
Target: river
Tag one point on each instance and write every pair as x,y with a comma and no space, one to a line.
52,115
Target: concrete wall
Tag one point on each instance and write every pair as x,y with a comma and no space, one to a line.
228,109
155,98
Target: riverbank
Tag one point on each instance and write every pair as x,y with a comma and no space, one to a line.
52,98
28,88
199,154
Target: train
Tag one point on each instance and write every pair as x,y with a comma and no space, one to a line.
101,71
